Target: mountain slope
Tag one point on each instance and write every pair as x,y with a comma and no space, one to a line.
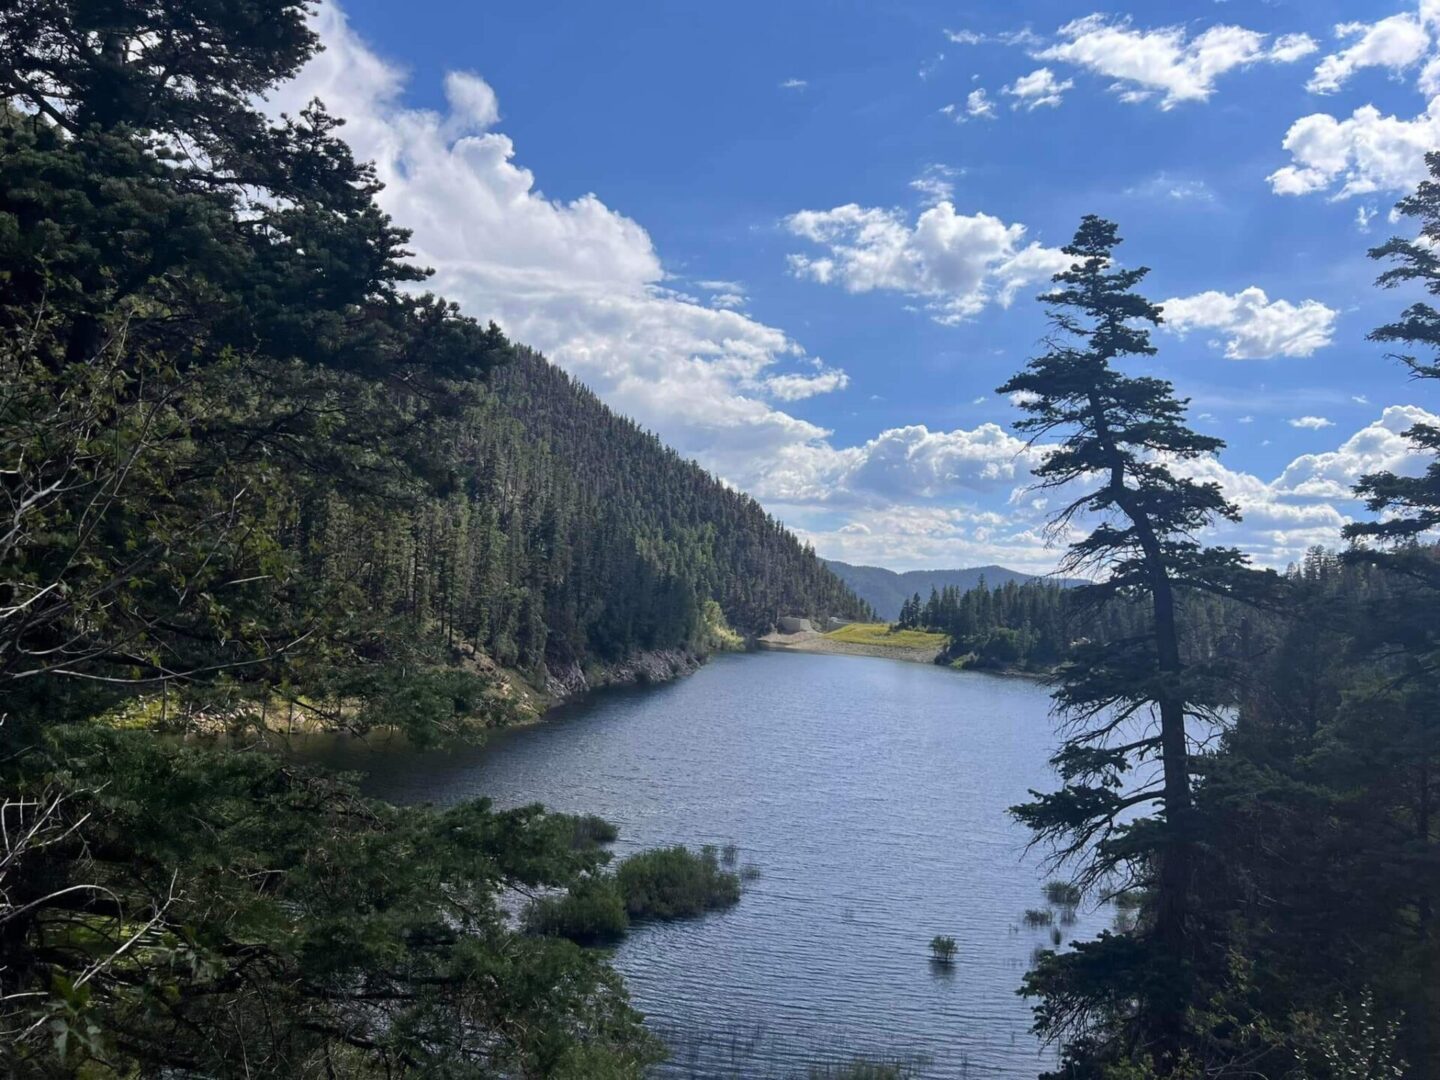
573,535
885,590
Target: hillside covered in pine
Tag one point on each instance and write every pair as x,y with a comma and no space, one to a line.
569,534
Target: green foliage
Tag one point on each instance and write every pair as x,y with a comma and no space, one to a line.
590,830
675,883
253,891
591,912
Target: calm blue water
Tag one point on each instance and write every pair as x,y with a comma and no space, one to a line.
871,796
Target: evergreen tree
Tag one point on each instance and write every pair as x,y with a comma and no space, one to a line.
1121,443
1402,635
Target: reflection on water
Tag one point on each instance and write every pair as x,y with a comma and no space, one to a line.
869,794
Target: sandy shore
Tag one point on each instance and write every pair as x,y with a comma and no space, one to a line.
811,641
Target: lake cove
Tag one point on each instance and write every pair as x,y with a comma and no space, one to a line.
869,795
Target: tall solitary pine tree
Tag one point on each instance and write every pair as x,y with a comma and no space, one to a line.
1118,456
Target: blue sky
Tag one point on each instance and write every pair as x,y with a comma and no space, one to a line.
802,240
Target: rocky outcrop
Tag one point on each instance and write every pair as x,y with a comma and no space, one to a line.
568,681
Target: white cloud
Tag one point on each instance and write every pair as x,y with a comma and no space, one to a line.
1166,61
1253,326
1378,447
1022,36
1164,185
1363,216
978,106
1039,88
1313,423
1396,43
794,84
473,104
936,182
1365,153
957,263
571,277
797,387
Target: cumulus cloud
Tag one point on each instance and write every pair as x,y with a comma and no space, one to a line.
572,277
794,84
1311,423
1377,447
1253,326
1364,153
473,104
1395,43
1038,89
956,263
1166,63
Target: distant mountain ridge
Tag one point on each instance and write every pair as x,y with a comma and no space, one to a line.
885,590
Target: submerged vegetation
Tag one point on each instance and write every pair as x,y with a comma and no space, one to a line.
664,884
675,883
943,948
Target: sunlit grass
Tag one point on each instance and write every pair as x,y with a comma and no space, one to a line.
881,634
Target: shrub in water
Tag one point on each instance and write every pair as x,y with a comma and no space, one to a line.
1062,894
591,831
673,883
1038,917
591,912
942,948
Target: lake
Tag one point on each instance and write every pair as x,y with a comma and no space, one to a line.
871,796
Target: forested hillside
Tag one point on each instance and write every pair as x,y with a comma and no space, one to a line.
1039,624
568,533
885,590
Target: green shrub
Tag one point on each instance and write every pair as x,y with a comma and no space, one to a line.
590,913
675,883
590,831
943,948
1038,917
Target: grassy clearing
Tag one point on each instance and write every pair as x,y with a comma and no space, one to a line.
882,634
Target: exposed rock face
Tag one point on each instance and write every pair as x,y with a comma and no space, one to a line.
791,624
571,680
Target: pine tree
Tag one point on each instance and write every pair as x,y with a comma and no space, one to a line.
1402,633
1120,450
